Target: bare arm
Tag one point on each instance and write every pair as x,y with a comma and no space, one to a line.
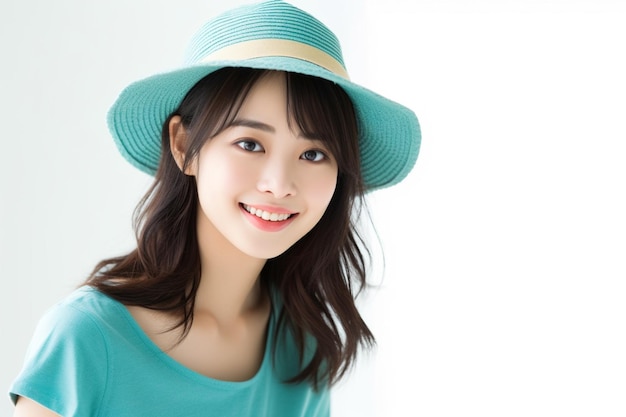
26,407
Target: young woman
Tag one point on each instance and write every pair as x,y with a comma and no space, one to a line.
239,298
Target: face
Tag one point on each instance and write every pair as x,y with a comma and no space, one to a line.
262,185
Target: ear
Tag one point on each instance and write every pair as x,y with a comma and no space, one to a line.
178,143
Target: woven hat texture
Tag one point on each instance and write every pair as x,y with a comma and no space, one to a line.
268,35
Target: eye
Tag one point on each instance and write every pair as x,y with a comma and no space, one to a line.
249,145
313,155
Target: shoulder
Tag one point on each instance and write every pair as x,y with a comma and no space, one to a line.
87,300
69,349
76,326
85,310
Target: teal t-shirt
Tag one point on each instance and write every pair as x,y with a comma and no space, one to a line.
89,357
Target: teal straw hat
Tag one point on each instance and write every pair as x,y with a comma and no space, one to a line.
268,35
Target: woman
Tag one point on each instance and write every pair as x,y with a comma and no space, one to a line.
239,298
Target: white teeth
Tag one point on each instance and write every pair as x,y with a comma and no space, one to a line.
266,215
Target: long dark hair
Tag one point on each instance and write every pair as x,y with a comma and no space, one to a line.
317,279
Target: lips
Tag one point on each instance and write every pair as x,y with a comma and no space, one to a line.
272,216
268,219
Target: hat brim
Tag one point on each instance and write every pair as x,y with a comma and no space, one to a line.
389,133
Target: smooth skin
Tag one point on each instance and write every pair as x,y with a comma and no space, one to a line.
28,408
258,162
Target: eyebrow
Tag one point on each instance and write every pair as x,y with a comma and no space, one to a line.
254,124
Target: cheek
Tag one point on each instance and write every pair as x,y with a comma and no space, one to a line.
321,188
235,177
222,174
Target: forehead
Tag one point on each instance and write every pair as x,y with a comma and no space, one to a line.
266,106
305,105
267,96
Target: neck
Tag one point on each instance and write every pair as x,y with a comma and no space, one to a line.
229,283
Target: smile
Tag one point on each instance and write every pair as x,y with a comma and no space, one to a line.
266,215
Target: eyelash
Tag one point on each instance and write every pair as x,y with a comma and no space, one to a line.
323,155
242,144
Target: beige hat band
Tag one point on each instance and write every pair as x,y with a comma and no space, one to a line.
260,48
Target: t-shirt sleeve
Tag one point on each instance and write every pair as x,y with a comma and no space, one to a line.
65,368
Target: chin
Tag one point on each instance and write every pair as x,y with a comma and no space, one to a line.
266,253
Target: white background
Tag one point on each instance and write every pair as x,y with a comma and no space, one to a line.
504,288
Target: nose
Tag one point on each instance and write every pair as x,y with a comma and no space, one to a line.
277,178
